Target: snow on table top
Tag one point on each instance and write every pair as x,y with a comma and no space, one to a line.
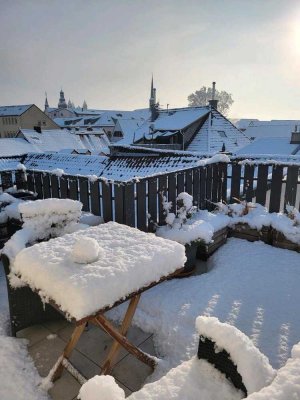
131,260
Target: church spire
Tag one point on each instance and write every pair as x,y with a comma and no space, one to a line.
62,102
46,102
152,100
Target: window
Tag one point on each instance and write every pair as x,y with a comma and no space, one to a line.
222,133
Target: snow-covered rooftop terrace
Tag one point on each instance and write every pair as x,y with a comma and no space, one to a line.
252,286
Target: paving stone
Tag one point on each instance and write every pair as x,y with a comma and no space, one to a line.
55,326
65,388
34,334
132,372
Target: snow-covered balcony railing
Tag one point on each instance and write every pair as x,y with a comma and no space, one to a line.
138,202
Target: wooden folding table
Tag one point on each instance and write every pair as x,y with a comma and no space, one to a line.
133,259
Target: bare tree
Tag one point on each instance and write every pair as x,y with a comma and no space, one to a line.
202,96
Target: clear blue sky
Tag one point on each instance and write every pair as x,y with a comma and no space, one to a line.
105,52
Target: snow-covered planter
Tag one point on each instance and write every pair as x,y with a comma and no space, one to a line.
250,221
286,229
185,229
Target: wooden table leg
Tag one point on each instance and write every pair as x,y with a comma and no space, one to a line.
58,368
115,348
124,342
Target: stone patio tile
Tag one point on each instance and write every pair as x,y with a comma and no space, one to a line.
132,372
95,344
55,326
34,334
45,353
65,388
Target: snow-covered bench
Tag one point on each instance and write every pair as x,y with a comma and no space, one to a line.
224,352
43,219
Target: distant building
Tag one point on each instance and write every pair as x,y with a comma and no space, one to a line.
12,118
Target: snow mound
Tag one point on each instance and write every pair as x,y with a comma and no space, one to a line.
57,206
101,388
253,366
19,378
192,230
86,250
286,385
91,219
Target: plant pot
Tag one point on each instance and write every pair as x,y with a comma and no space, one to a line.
205,250
279,240
190,252
244,231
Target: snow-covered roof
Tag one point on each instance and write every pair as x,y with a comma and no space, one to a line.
273,128
52,139
16,147
270,145
9,164
177,119
214,133
122,166
14,110
128,127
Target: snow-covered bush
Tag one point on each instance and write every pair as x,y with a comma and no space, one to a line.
181,227
293,214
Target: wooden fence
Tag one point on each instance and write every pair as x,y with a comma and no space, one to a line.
139,203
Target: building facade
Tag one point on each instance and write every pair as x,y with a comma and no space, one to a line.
12,118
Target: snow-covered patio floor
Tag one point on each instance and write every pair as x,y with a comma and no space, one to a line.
250,285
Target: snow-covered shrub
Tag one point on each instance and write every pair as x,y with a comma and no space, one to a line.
293,214
181,227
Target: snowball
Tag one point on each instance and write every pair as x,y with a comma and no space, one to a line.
101,387
21,167
85,250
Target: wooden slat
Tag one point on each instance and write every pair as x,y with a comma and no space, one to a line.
172,191
196,186
21,181
262,184
46,186
129,205
95,198
162,192
64,188
291,185
152,203
189,181
119,203
141,206
276,186
248,182
235,183
209,177
38,184
6,179
180,182
84,193
222,191
215,184
30,181
73,187
54,187
202,197
106,190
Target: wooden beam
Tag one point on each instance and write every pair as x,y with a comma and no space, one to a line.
124,342
115,348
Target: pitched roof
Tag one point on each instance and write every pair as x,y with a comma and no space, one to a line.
272,146
14,110
273,128
214,133
52,139
16,147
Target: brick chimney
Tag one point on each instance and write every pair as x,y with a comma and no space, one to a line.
213,102
295,137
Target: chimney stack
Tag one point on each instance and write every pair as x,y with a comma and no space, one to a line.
295,137
213,102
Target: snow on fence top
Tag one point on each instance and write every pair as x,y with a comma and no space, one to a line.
253,366
130,259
